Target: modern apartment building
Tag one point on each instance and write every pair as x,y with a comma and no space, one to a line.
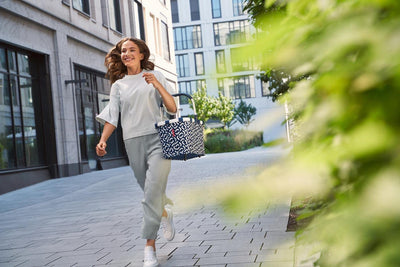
207,36
52,81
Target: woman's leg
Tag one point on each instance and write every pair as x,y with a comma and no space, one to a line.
151,171
154,189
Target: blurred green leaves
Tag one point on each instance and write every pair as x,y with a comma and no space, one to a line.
346,113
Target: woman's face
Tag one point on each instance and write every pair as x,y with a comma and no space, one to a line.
130,54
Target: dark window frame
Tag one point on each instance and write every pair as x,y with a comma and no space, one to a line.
194,10
238,89
216,8
165,42
116,18
90,94
196,63
182,65
231,32
237,6
85,7
189,87
20,101
217,63
174,11
188,37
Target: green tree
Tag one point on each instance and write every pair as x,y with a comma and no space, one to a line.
205,106
208,107
244,113
224,109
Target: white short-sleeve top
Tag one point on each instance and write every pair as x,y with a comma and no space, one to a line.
138,102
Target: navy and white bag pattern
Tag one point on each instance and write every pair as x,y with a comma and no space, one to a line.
181,138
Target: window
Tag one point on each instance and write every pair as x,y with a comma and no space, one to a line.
265,89
91,98
187,37
138,24
21,137
199,63
194,10
220,60
81,5
152,34
232,32
216,8
237,7
237,87
182,65
115,15
174,11
165,41
240,63
189,87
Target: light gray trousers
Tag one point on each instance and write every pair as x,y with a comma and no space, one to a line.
151,171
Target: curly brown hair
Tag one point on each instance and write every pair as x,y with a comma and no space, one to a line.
116,69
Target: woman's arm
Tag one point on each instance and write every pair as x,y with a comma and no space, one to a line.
167,98
101,146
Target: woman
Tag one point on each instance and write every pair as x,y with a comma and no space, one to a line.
136,92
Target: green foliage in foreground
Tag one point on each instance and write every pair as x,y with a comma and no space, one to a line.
348,120
218,141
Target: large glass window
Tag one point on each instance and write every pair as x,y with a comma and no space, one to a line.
21,139
216,8
81,5
91,98
237,87
199,63
194,10
182,65
187,37
220,61
174,11
115,15
237,7
232,32
189,87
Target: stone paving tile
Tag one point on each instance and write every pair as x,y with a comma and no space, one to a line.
95,219
277,264
226,260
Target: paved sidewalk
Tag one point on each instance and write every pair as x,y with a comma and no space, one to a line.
94,220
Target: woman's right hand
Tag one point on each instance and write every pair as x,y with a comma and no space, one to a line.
101,149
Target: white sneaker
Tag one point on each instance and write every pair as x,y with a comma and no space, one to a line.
150,258
168,225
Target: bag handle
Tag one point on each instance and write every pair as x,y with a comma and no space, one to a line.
178,114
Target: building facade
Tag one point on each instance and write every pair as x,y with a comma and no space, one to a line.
52,81
208,35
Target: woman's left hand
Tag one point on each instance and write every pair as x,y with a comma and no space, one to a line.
151,79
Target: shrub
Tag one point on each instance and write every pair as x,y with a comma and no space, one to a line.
218,141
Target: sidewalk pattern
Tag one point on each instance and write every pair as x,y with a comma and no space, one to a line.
94,220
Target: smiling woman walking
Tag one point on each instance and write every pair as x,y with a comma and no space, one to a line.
137,92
